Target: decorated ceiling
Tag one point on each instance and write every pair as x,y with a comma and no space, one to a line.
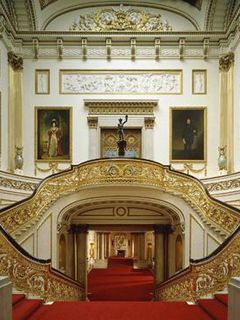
204,15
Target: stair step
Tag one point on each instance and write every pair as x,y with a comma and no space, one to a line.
222,297
17,297
214,308
40,313
25,308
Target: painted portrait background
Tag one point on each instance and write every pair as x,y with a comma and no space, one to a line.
197,148
44,123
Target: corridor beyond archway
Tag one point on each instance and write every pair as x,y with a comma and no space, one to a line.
120,282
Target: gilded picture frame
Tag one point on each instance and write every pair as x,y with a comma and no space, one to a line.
140,82
53,134
199,81
188,134
42,81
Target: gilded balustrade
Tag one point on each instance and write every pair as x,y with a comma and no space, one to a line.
35,276
112,172
206,276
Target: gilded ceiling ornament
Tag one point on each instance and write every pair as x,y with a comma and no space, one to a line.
226,61
121,19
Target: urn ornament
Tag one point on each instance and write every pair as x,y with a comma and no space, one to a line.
18,158
222,159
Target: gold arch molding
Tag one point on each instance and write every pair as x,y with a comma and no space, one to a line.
122,172
120,209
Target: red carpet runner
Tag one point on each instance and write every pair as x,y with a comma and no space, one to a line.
120,282
119,310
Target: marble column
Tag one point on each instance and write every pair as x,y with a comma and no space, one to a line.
82,254
161,252
93,151
69,255
226,108
72,251
14,107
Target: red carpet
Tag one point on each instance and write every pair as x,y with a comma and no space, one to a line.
215,308
23,308
120,282
116,310
123,311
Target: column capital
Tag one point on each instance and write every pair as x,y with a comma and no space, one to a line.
83,228
15,61
149,122
92,122
226,61
162,228
78,228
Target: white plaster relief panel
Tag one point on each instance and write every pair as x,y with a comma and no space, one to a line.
121,83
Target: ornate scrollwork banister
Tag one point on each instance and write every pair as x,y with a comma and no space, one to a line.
117,171
35,276
204,276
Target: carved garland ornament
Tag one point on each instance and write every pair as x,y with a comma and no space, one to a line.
125,172
223,185
16,184
205,277
35,278
121,19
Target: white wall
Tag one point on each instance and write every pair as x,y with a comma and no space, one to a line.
4,105
80,125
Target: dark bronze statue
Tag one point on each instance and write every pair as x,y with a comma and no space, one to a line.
121,142
120,128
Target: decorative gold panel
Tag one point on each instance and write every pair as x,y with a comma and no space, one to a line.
35,277
204,278
109,138
112,172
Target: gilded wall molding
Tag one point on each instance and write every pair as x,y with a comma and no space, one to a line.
52,167
189,168
111,107
125,172
226,62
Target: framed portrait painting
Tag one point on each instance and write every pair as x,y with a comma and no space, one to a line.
188,134
53,134
199,81
42,81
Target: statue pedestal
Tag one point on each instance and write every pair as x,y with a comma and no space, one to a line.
121,148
